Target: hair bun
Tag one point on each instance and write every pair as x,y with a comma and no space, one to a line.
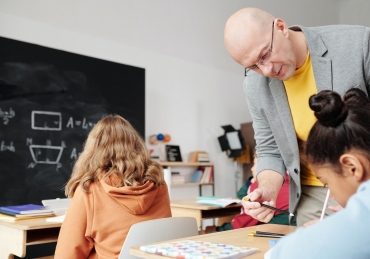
357,97
329,108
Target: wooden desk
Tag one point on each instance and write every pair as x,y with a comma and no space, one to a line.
238,237
16,236
188,208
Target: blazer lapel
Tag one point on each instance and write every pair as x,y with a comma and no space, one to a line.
322,73
321,65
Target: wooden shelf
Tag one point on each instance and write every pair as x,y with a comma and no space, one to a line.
185,164
190,164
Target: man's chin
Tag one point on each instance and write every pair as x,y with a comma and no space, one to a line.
284,75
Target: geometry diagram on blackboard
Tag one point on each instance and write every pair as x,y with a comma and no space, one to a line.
44,120
43,154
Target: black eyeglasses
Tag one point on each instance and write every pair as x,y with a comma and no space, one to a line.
264,56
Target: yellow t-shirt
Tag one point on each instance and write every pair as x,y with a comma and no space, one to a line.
299,88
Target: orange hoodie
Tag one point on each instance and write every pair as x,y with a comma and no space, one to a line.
97,223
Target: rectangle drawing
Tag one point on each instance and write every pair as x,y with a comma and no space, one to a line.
45,120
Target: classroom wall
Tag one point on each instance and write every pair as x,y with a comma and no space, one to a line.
192,85
354,12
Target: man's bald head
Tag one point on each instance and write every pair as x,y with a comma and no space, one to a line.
241,26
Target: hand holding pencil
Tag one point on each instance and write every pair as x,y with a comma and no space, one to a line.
270,207
254,208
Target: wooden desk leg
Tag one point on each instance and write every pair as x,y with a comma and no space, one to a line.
12,242
183,212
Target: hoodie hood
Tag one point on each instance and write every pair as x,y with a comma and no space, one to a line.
136,200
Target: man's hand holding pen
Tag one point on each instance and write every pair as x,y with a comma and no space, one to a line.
252,206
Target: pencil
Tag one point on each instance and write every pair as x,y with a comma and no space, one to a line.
270,207
264,235
325,204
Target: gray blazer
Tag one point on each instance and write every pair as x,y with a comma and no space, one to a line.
340,60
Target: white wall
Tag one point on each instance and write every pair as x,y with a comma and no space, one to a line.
192,85
354,12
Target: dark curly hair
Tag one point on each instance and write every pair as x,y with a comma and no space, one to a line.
342,125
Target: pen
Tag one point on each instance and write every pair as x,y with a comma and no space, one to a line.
270,207
325,204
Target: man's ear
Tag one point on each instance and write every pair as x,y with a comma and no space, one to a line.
280,25
352,165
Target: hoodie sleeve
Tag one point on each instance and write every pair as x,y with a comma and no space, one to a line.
74,239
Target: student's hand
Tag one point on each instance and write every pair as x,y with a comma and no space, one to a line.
253,207
311,222
332,208
335,208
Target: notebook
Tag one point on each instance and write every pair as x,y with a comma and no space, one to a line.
17,217
58,206
25,209
190,249
223,202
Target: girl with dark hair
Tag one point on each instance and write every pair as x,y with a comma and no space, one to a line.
338,151
114,184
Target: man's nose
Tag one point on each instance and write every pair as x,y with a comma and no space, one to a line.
267,69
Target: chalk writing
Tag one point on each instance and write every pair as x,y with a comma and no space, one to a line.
4,147
6,115
84,124
74,154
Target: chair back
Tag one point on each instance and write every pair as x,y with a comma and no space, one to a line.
158,230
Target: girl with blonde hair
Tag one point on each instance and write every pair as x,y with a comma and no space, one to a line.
114,184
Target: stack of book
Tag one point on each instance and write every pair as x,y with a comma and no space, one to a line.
198,156
203,174
177,178
27,211
203,157
207,176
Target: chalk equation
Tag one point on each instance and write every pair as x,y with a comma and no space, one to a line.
79,123
47,120
6,115
7,147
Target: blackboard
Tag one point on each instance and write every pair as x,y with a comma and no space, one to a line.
49,101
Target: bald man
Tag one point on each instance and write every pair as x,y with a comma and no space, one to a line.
284,66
